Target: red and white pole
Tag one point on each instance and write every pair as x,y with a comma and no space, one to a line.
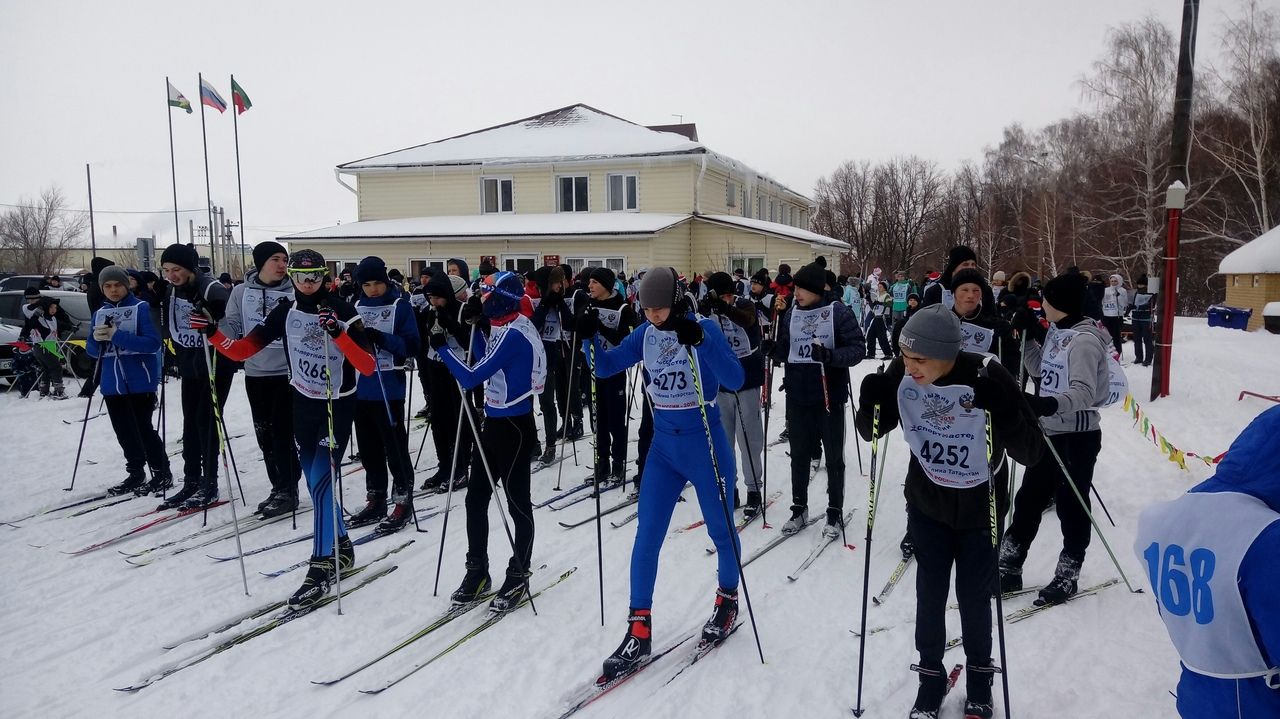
1175,201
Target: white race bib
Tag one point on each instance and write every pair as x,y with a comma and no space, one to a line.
736,336
809,327
496,393
976,339
124,319
180,323
671,384
383,319
948,440
312,358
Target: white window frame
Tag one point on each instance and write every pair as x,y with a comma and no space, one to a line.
759,206
335,267
615,263
427,262
575,177
499,179
745,262
731,194
608,186
746,203
772,210
514,257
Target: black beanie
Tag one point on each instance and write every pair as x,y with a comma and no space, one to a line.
372,269
32,292
180,255
968,276
720,283
820,261
761,276
784,269
813,278
487,269
604,276
1067,293
958,254
831,279
264,250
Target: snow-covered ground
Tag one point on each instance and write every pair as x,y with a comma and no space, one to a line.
75,627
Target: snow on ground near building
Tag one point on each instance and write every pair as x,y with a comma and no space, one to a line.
77,627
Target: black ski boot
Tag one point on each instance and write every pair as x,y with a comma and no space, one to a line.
459,483
203,498
535,453
979,676
401,514
752,508
933,687
275,493
574,430
375,510
346,554
637,645
475,583
548,457
133,484
722,619
284,502
437,480
190,487
161,482
1065,582
315,586
1011,558
512,592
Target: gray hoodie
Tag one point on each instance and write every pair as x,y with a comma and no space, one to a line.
249,303
1087,382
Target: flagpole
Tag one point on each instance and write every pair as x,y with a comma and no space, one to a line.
93,235
235,124
208,194
173,171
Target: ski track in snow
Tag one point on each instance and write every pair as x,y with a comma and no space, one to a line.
77,627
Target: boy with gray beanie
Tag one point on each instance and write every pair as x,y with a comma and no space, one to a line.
938,394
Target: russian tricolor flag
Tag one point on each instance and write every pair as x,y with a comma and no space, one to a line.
210,97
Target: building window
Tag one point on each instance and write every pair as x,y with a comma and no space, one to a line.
771,210
623,193
731,194
572,194
746,203
337,267
759,207
521,263
417,266
1257,281
1235,280
749,265
617,264
496,194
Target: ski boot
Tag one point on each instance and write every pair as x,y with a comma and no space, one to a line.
933,687
723,618
1011,558
160,483
43,388
319,578
512,592
574,431
535,452
346,554
131,485
459,483
284,503
423,413
474,585
58,392
799,518
1064,584
548,457
637,645
752,508
190,487
202,498
437,480
979,676
835,524
275,493
401,514
375,510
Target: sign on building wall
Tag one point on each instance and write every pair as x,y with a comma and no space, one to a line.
550,260
491,259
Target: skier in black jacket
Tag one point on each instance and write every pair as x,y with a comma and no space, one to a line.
984,331
958,258
936,392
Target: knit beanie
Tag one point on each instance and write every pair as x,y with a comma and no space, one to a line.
968,276
720,283
958,254
503,294
784,269
372,269
263,251
761,277
831,279
932,332
32,292
604,276
659,289
181,255
1067,292
812,278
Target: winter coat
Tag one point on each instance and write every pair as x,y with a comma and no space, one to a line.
120,370
1014,431
205,292
1115,300
252,296
40,325
803,380
1089,377
402,342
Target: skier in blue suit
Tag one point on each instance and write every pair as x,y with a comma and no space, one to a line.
1210,555
680,452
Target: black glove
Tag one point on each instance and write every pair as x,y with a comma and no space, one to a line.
820,353
438,340
473,310
330,322
989,395
588,324
1026,322
766,347
876,389
688,332
375,336
1041,405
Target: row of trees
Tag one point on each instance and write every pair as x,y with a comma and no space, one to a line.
1089,190
35,235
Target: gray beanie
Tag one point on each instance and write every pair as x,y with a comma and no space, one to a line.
658,288
113,273
933,332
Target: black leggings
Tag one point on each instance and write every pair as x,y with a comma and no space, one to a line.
506,443
1044,481
199,434
384,443
271,404
937,548
131,419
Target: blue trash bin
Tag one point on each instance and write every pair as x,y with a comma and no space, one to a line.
1234,318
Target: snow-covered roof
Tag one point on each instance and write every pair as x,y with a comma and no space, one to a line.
576,132
559,224
1261,256
774,228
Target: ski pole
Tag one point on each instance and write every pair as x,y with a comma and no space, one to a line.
872,492
222,447
84,423
595,472
995,551
393,422
1094,488
822,370
766,398
857,441
1085,505
568,402
724,502
453,467
746,441
333,471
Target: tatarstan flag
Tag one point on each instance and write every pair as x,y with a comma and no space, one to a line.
239,97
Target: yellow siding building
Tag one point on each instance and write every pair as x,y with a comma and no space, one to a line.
1253,275
576,186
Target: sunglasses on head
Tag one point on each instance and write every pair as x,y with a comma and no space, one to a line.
308,275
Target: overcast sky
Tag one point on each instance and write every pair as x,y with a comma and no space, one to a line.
790,88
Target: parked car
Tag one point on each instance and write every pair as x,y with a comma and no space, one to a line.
20,282
76,307
8,335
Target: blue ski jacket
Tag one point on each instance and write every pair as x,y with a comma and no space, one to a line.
130,362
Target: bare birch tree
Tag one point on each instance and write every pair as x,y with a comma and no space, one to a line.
36,235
